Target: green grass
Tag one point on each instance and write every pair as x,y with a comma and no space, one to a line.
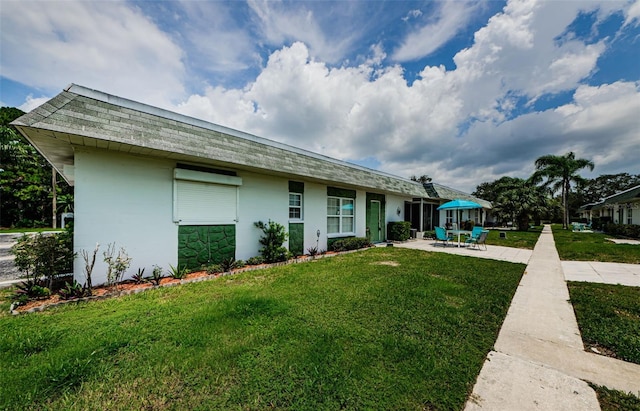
27,230
612,400
385,328
593,247
517,239
608,317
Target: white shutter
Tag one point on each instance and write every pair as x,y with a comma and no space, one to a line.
205,203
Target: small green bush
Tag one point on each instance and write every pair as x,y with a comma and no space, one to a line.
351,243
214,269
274,236
257,260
623,230
399,230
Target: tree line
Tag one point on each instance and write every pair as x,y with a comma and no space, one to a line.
27,184
553,192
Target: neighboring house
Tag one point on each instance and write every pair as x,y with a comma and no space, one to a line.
621,208
175,190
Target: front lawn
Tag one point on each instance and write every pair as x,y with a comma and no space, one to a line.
516,239
582,246
608,317
385,328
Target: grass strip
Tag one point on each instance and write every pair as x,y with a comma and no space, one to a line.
386,328
613,400
581,246
516,239
608,317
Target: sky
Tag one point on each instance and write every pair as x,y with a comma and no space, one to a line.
463,91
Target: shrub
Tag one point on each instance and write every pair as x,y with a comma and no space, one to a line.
399,230
73,290
228,264
274,235
623,230
177,272
44,255
313,251
31,289
156,275
351,243
116,265
89,262
138,277
257,260
240,264
214,269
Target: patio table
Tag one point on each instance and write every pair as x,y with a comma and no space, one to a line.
458,232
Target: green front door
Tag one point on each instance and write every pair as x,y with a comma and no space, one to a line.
374,225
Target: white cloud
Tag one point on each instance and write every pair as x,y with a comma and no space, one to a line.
450,18
633,14
103,45
31,103
325,32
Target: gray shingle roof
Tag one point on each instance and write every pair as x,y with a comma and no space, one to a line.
79,116
448,193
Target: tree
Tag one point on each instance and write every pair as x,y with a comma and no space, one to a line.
424,179
489,191
519,201
26,190
594,190
560,172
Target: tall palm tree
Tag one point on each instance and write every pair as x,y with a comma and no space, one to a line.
560,172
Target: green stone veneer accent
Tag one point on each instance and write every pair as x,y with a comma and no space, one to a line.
296,238
205,244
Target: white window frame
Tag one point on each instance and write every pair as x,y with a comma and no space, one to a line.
301,218
449,216
340,216
629,215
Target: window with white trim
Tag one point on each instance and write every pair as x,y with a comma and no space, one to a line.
449,219
629,215
340,216
295,206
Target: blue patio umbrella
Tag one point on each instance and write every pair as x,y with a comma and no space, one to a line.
459,204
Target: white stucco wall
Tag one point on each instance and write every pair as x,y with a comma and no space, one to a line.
262,198
315,215
126,200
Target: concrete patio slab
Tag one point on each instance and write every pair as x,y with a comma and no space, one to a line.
493,252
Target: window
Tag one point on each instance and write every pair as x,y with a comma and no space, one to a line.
449,216
340,215
629,216
295,206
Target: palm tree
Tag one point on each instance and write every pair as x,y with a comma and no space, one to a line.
519,201
560,172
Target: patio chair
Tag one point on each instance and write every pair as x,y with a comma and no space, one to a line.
478,241
441,236
476,231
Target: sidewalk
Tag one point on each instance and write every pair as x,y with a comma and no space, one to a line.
539,362
598,272
493,252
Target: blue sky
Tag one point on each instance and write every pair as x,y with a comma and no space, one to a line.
463,91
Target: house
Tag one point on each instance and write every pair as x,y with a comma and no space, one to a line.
619,208
176,190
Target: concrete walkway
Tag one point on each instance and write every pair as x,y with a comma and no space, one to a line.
598,272
539,362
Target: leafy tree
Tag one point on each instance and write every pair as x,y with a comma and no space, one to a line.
422,179
519,201
25,179
489,191
594,190
560,172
